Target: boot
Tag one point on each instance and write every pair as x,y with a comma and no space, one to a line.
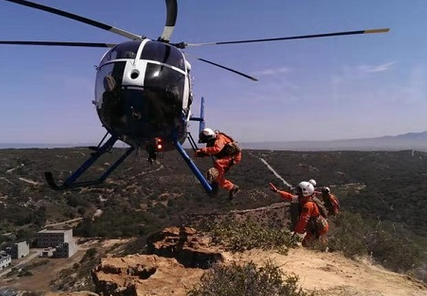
233,191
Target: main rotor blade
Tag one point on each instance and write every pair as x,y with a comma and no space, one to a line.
171,14
228,69
56,43
183,45
78,18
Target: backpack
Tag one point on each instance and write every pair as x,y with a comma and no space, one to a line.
320,222
322,209
230,149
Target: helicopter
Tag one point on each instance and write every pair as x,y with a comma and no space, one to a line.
143,91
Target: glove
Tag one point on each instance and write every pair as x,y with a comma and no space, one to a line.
200,153
273,188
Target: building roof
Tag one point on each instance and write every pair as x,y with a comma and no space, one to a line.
54,230
7,292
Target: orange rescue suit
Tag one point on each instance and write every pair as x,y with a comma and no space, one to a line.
309,210
223,162
332,204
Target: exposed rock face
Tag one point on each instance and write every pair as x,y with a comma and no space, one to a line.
186,245
176,262
143,275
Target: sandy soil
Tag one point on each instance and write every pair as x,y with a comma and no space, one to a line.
333,274
42,275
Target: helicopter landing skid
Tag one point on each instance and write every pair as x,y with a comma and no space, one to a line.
194,168
99,151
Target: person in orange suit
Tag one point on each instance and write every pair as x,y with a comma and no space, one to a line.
310,221
226,155
330,201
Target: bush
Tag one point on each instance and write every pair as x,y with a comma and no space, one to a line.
349,235
90,254
245,235
394,251
235,280
388,244
24,272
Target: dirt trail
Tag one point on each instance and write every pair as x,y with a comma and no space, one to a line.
332,274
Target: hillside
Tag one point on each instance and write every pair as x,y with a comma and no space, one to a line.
385,188
382,185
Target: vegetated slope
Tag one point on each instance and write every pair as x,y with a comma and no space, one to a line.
390,185
139,198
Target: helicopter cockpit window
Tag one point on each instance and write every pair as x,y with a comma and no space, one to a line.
163,53
126,50
162,77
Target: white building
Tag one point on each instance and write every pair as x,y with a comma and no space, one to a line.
65,250
5,260
52,238
60,243
19,250
7,292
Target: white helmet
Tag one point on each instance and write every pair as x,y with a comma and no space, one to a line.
206,134
306,188
312,181
326,190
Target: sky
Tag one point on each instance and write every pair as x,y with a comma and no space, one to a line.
347,87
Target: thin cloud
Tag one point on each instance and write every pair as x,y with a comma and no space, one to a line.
352,73
376,69
273,71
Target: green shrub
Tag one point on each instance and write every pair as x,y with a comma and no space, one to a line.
235,280
24,272
390,245
349,235
394,251
245,235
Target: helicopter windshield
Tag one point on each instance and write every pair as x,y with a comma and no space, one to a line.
164,53
126,50
162,77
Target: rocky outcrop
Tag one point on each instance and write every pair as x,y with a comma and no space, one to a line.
177,257
185,245
143,275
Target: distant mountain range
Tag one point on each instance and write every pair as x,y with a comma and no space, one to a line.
415,141
408,141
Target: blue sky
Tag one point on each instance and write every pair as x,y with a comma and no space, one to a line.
317,89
